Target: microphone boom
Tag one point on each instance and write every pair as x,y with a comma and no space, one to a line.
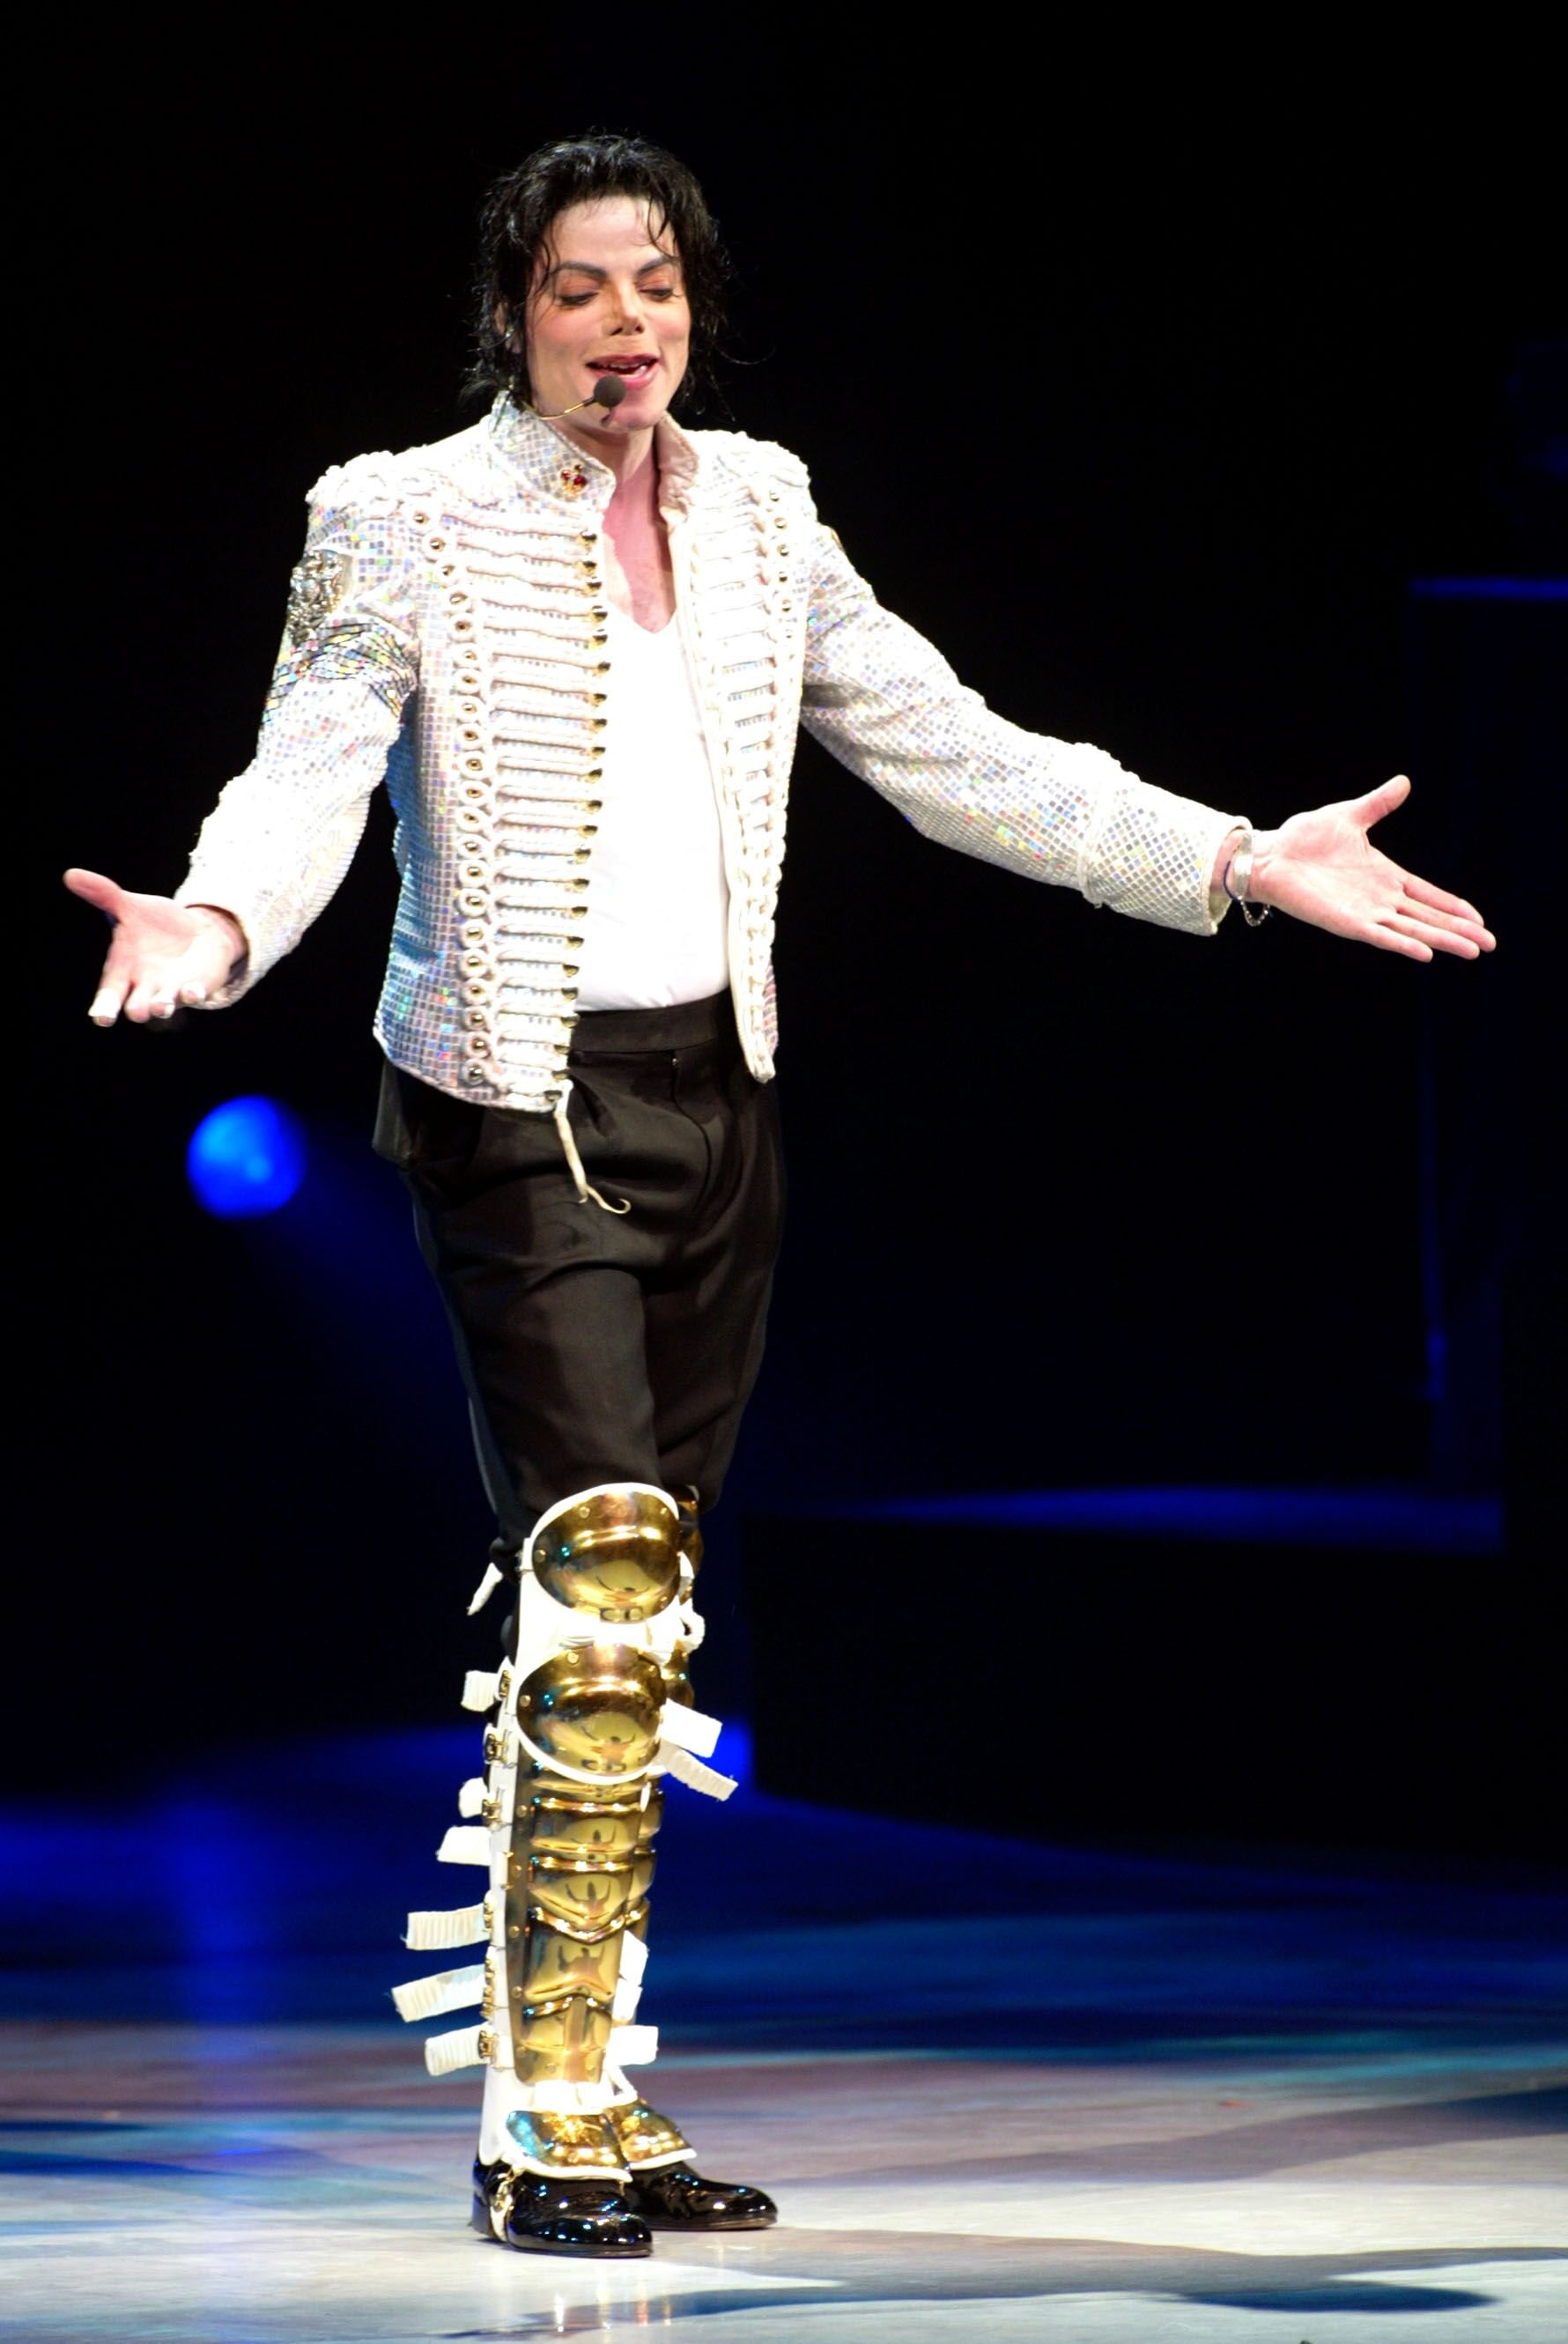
607,392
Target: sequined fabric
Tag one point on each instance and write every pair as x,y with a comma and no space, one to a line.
448,632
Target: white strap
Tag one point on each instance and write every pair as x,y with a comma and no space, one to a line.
445,2054
691,1728
694,1627
465,1843
428,1997
479,1688
633,1958
431,1933
575,1161
634,2046
628,1980
485,1590
673,1760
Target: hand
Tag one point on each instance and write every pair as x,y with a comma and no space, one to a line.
162,953
1322,868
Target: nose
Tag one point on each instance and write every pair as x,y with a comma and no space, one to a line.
629,315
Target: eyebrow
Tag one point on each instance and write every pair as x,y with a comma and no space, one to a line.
588,268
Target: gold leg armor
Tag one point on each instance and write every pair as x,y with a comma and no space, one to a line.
591,1705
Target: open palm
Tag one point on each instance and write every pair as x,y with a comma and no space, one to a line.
1323,868
161,953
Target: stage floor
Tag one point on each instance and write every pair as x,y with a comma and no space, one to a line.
1000,2091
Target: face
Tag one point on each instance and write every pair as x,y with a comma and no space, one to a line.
611,300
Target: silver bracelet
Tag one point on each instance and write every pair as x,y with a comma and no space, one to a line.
1240,866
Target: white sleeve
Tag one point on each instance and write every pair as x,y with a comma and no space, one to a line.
890,708
283,832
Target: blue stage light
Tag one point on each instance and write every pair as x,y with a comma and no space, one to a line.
246,1159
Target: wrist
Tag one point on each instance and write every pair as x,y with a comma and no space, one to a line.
1237,870
214,916
1264,845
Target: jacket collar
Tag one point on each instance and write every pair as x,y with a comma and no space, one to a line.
536,454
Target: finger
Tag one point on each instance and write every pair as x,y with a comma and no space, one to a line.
151,998
1431,908
1379,802
1423,892
1437,939
1466,948
109,998
1392,938
93,887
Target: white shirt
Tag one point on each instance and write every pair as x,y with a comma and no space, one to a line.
657,926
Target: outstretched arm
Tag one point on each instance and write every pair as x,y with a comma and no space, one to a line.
1323,867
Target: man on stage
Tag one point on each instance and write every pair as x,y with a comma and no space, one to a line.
576,642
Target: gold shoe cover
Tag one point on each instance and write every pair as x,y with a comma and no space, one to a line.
591,1705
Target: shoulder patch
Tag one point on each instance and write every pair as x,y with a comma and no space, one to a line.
318,585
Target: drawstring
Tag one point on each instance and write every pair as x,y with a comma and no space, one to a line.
575,1161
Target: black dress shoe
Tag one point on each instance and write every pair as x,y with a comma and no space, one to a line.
673,2197
542,2216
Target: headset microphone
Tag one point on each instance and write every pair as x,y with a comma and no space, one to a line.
607,392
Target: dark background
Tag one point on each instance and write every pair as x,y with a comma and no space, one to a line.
1147,403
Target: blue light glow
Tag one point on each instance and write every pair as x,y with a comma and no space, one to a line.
246,1159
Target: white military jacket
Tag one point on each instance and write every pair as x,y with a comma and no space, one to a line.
447,632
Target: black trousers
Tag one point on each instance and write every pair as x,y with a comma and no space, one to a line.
601,1347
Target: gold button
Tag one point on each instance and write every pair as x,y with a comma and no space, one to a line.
596,698
593,805
462,626
473,1075
473,765
421,520
603,668
588,537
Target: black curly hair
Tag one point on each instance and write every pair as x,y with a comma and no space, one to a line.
521,207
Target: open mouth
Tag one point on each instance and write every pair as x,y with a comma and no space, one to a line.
632,371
